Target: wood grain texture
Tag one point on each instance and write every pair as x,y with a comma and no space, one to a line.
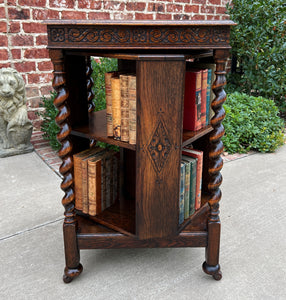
158,149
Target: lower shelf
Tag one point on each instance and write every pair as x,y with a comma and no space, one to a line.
94,236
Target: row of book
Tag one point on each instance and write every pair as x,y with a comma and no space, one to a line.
120,93
96,179
190,183
198,96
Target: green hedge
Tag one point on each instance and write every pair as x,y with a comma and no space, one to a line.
252,123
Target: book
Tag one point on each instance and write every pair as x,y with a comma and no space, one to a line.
116,107
199,170
192,100
208,100
204,96
187,187
108,98
124,108
182,194
78,179
132,108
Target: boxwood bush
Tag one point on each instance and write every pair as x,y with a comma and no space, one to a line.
252,123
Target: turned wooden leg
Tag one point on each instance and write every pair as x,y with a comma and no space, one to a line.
73,267
211,265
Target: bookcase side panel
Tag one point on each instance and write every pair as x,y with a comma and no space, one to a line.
158,150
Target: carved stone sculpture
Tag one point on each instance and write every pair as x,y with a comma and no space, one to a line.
15,127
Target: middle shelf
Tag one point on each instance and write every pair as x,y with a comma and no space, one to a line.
96,129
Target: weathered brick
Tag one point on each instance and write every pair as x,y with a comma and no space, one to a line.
139,6
221,10
73,15
181,17
18,13
45,90
215,2
16,53
163,16
34,27
3,40
39,78
200,1
5,65
22,40
3,26
45,14
113,5
99,16
41,39
182,1
142,16
174,8
123,16
156,7
198,17
191,8
40,3
32,92
207,9
2,13
45,65
36,53
62,3
25,66
11,2
14,27
89,4
212,17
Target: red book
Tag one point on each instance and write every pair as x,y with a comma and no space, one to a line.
204,97
199,155
192,100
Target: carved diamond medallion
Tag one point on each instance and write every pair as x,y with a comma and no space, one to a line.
159,147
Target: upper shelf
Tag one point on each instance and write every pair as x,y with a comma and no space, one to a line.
144,35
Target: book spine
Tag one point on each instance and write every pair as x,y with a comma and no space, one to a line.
124,108
204,96
208,100
77,183
132,108
108,98
84,186
116,108
198,106
94,187
187,190
193,186
182,194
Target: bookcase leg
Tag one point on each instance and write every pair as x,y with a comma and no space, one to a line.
73,267
211,265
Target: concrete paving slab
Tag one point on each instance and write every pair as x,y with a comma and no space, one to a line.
30,194
252,251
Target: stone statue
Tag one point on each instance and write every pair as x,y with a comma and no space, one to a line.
15,127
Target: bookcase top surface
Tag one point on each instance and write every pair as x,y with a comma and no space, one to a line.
140,23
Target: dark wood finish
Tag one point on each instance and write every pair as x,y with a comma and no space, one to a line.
146,214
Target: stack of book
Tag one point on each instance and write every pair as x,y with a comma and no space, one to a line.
120,95
96,179
190,183
198,96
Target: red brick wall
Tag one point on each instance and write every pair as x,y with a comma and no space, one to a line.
23,36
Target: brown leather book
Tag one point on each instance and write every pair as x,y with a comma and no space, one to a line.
108,98
116,108
132,108
124,108
78,175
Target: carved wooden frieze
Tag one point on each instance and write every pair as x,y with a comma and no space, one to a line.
100,36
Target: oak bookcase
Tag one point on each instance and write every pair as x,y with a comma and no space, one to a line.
147,213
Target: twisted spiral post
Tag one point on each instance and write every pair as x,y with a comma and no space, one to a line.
89,85
211,265
73,267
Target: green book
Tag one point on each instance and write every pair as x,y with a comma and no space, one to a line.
187,188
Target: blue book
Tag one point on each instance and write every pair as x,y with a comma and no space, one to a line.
182,194
209,86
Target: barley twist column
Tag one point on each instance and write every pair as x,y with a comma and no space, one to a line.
73,267
211,265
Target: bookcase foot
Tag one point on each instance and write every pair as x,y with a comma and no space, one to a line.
213,270
70,274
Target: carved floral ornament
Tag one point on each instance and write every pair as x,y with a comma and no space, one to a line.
103,35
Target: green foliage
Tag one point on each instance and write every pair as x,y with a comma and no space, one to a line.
252,123
49,126
259,43
99,69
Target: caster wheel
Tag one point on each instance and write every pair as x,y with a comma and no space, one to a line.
217,276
